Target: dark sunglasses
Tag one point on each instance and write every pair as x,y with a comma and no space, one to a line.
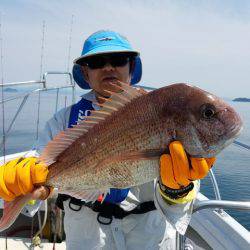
115,60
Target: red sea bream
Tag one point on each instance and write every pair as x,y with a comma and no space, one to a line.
119,146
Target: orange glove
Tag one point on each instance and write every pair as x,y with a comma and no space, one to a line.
177,172
18,177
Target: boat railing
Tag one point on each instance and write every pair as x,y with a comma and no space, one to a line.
238,205
219,204
70,84
24,96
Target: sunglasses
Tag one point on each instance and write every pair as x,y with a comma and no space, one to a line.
115,60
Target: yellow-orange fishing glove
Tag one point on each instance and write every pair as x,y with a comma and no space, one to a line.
18,177
177,173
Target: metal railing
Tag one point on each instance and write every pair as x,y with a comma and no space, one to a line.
26,95
238,205
219,204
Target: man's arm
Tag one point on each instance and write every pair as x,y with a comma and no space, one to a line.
179,184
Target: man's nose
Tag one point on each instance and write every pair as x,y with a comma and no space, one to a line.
108,67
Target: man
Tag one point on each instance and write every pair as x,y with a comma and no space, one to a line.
127,218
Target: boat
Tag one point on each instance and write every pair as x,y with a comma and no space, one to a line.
210,228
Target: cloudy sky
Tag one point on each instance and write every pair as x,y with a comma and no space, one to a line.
206,43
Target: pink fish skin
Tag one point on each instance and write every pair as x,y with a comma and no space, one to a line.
121,148
143,128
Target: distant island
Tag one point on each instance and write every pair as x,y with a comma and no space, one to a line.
241,99
10,90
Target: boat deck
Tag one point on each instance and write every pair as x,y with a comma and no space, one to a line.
25,244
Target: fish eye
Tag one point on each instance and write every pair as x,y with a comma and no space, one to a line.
207,111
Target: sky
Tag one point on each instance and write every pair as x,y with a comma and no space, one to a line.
204,43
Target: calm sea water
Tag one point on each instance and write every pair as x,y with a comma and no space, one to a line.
231,169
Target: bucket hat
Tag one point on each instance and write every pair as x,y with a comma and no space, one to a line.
105,42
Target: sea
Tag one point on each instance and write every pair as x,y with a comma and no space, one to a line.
232,168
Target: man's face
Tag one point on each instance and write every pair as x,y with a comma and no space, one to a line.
107,72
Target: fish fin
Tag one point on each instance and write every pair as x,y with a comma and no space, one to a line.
127,92
111,105
86,195
11,211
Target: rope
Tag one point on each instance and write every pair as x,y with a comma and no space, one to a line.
36,240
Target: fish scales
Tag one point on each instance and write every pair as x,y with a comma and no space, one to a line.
117,152
128,130
123,150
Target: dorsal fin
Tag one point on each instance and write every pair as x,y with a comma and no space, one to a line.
110,105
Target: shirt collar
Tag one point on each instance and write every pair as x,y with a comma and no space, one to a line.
90,96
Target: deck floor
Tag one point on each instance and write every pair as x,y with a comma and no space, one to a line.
24,244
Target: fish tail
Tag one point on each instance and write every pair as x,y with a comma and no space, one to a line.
11,211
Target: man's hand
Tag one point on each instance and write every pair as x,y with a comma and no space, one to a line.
22,176
177,171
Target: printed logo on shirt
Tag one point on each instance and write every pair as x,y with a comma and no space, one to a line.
82,115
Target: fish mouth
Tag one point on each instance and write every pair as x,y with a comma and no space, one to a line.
211,150
235,131
237,125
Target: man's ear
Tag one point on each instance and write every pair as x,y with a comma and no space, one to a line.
85,73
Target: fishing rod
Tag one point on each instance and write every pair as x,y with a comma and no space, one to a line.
39,93
2,91
70,39
245,146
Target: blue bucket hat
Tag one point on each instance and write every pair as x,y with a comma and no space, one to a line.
104,42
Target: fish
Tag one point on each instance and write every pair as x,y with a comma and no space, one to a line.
119,145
